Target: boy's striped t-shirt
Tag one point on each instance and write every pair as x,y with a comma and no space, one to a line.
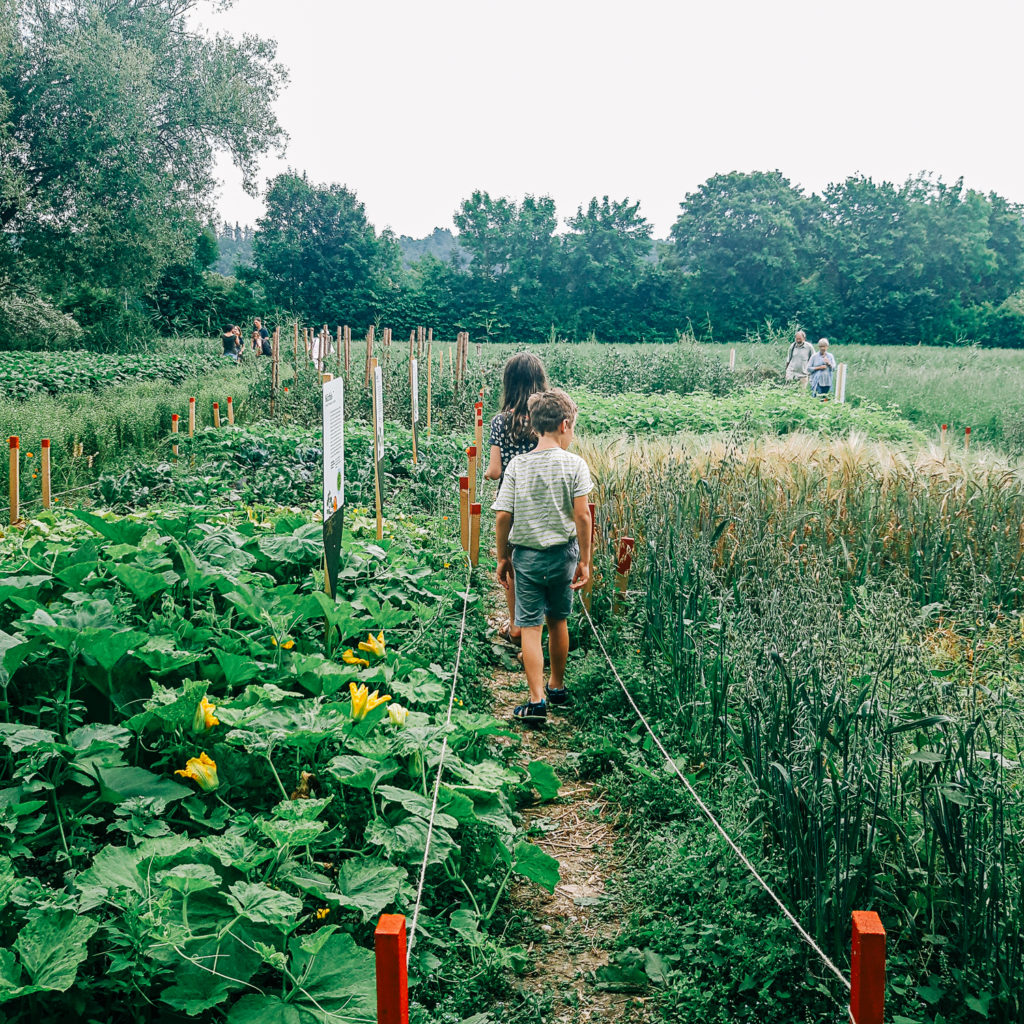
539,490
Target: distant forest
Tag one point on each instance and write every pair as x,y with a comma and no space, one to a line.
106,240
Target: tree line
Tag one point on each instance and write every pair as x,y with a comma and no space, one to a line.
110,114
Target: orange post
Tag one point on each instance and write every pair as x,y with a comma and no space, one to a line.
392,972
471,453
464,512
474,533
867,968
44,465
174,431
216,414
231,413
15,489
942,436
967,438
191,417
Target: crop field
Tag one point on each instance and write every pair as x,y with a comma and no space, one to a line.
205,805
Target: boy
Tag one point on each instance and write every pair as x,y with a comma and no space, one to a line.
543,534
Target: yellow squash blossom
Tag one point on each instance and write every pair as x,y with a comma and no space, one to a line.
364,702
398,714
322,912
204,718
373,644
288,645
201,769
350,658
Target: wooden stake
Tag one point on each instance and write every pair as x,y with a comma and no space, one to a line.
295,347
464,512
471,452
216,415
867,968
414,405
479,415
430,360
347,339
967,438
275,367
14,480
337,354
392,972
174,432
732,359
474,534
231,412
369,352
44,469
376,446
191,417
942,437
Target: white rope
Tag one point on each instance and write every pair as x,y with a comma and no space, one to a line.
440,764
714,821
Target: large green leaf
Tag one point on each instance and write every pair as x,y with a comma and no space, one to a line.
533,863
237,670
141,583
340,985
52,946
368,885
262,905
117,784
261,1009
543,779
113,869
120,531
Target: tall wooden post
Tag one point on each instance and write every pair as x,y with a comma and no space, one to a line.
588,588
14,489
295,347
275,367
430,360
377,412
389,944
216,415
191,417
967,438
867,968
337,355
44,469
478,411
464,512
174,434
369,352
231,412
346,337
472,455
474,534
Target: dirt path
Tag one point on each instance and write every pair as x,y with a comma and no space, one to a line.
580,920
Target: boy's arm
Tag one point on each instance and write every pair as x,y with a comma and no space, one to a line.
502,526
584,532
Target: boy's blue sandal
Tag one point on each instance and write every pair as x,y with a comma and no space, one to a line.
559,698
530,713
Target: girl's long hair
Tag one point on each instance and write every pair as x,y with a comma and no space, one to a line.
524,375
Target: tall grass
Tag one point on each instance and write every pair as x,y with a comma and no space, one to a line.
840,622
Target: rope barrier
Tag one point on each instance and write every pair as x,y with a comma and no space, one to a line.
714,821
53,497
440,764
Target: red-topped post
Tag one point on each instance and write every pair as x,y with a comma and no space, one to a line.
15,484
44,468
867,968
392,972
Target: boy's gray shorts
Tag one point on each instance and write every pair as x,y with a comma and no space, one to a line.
543,578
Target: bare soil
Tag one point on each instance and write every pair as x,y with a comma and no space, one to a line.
580,920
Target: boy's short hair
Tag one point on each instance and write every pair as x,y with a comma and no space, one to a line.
548,409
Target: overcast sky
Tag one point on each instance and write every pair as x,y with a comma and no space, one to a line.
415,104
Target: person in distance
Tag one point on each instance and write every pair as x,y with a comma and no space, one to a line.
800,353
511,435
819,368
543,536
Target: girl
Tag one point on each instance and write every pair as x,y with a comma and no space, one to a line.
511,435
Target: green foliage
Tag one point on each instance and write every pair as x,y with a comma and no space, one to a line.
315,252
109,118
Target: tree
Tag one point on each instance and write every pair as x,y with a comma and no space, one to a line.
515,266
111,114
742,244
317,254
605,255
